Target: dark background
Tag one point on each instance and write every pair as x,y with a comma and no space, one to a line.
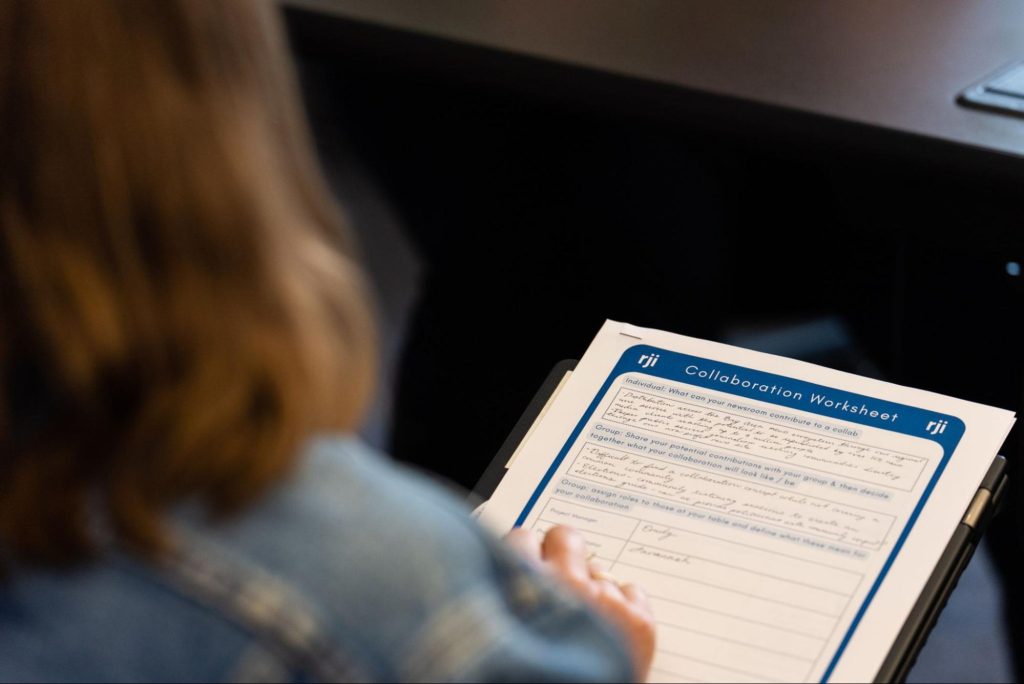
543,199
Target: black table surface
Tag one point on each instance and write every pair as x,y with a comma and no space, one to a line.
895,65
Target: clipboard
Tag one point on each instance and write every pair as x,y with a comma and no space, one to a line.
937,590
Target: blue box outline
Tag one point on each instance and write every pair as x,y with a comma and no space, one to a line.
913,423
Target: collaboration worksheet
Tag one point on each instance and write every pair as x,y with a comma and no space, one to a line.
783,517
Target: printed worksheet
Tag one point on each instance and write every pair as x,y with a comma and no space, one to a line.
783,517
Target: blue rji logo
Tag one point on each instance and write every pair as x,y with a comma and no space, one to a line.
936,427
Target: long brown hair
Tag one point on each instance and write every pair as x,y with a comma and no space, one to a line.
176,316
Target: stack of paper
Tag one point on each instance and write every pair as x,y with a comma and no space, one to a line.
783,517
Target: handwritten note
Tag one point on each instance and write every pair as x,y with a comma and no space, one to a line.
707,491
716,427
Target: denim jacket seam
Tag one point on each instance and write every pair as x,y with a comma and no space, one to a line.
274,613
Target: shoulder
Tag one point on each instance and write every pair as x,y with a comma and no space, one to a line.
352,569
341,522
406,582
111,620
349,556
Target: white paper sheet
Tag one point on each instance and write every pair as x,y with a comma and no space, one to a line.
783,517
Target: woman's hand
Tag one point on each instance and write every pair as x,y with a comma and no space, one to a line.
563,554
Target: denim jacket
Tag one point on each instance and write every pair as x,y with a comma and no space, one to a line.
352,570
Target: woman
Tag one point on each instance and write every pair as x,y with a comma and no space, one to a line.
181,337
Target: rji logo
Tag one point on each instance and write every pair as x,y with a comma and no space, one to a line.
936,427
648,360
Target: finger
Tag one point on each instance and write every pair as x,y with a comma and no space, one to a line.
566,549
625,605
637,597
627,608
526,543
606,581
611,594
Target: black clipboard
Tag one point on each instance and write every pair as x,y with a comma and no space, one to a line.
937,590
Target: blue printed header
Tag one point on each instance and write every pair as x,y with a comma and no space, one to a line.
833,403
